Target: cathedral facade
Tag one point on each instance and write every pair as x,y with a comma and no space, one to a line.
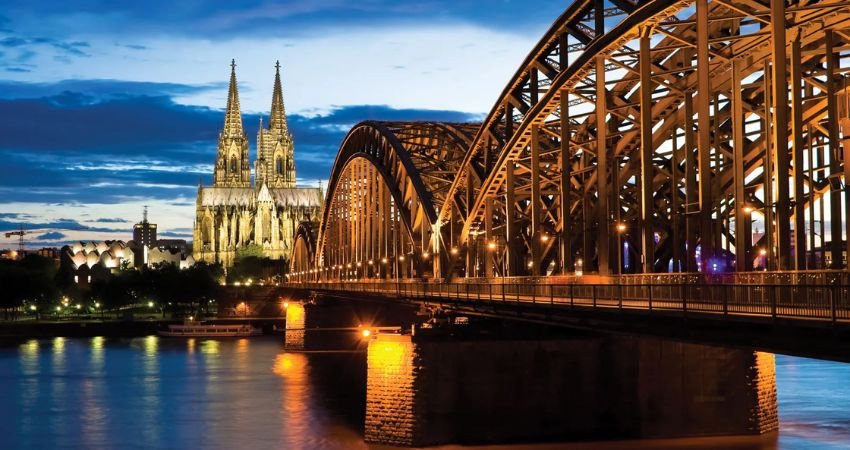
236,211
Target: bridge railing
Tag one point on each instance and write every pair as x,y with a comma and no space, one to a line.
808,302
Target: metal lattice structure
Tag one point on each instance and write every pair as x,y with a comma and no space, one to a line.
637,136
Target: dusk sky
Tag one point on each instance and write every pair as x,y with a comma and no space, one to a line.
108,106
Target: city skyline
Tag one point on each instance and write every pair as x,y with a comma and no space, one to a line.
102,117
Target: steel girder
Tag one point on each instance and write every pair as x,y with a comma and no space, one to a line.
379,213
633,135
714,98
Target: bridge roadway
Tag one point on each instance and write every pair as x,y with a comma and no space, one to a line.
804,320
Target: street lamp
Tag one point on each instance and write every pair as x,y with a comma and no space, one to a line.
621,228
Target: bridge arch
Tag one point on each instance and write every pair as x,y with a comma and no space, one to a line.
636,134
303,253
379,212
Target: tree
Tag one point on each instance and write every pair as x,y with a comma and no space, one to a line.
249,251
28,280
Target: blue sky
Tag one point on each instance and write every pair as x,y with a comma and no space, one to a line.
107,106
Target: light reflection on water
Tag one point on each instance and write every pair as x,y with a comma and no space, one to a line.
150,392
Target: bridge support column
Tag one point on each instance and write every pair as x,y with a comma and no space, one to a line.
704,134
647,150
566,252
743,220
602,212
834,153
422,392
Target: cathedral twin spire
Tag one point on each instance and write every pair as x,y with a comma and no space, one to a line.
233,116
275,164
277,118
275,151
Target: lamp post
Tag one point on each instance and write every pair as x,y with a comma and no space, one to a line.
621,228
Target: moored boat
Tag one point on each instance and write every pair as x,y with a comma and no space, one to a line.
198,329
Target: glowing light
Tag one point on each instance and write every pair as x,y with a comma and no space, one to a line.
454,250
58,308
544,237
78,306
425,255
491,245
285,305
150,304
401,258
621,227
358,264
531,264
384,260
762,252
748,209
371,262
32,308
366,333
348,266
96,304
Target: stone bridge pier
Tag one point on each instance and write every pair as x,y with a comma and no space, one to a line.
424,391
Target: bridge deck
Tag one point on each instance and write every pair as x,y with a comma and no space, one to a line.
806,320
812,304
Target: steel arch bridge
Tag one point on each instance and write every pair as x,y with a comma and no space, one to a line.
636,137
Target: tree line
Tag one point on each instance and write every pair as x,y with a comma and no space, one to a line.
35,286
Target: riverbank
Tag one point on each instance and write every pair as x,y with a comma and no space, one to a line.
113,328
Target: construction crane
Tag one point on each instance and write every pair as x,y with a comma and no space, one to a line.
20,233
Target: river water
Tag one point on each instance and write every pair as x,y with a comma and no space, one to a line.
152,392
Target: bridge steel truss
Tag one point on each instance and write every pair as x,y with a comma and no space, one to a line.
637,136
380,215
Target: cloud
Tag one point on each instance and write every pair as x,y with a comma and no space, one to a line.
103,89
174,234
52,226
110,220
23,49
133,46
222,19
52,236
105,141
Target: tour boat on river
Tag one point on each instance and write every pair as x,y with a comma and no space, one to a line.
197,329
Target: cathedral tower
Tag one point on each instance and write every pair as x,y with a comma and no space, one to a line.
234,214
232,168
275,149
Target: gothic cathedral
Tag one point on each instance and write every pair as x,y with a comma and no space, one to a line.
234,212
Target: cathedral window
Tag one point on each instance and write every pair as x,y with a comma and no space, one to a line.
278,166
232,164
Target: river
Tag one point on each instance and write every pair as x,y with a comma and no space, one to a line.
150,392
